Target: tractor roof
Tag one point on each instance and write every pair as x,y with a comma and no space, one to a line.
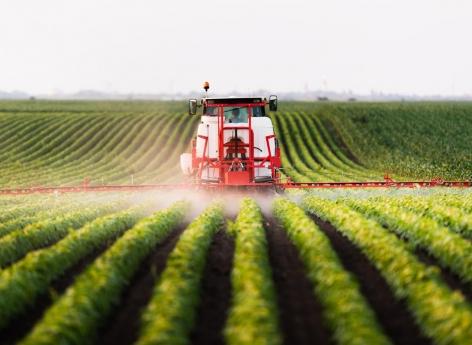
234,100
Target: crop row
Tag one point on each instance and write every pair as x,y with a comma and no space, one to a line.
171,312
452,250
104,147
412,140
442,314
345,309
48,208
311,154
463,201
85,307
455,218
253,314
23,282
16,244
77,314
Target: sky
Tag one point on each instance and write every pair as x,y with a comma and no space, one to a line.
146,46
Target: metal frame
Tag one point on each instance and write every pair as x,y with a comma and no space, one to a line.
278,185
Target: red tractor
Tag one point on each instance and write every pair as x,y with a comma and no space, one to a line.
235,143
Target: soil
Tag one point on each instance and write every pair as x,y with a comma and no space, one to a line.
393,315
215,293
123,326
301,318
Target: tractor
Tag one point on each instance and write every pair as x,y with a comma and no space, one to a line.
235,144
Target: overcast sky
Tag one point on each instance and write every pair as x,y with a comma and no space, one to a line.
402,46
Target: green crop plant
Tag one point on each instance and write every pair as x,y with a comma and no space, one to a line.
171,313
253,316
462,201
22,220
454,218
16,244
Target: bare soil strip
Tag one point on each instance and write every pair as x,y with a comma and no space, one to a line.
451,279
300,312
23,324
215,294
393,315
123,326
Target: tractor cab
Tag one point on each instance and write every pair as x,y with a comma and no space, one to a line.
235,110
235,142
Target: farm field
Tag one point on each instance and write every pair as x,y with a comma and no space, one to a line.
386,266
62,143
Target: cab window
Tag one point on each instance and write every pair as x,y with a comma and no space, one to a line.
236,114
258,111
210,111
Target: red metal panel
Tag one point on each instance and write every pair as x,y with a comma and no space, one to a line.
239,178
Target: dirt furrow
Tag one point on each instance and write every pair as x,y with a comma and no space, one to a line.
300,312
215,294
